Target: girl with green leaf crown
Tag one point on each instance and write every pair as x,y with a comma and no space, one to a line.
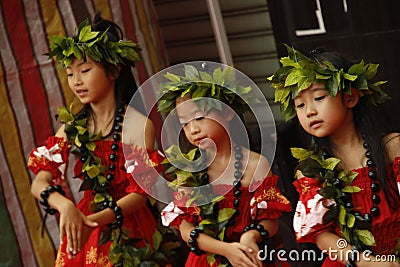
229,207
349,201
111,225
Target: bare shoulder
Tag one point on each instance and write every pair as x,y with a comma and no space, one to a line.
138,129
258,167
61,132
392,142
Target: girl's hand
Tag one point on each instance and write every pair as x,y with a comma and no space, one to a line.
72,222
237,253
249,239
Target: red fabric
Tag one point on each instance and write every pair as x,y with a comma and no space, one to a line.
141,223
37,163
385,227
276,205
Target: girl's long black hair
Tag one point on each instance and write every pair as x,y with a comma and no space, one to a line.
367,126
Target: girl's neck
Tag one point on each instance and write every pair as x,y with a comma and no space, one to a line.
222,163
102,116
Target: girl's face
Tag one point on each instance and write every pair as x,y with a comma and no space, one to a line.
320,114
89,81
202,129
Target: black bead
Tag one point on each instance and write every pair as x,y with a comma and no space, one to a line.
372,175
374,211
112,167
336,182
236,193
368,154
237,184
87,177
376,199
238,165
237,175
264,234
236,203
110,177
370,163
260,227
192,242
365,144
348,205
113,157
238,156
116,137
117,210
238,149
114,147
120,110
367,217
119,118
346,196
119,217
194,234
44,194
375,187
357,213
83,159
118,128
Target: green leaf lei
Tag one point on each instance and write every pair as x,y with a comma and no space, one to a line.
335,182
221,86
298,72
214,220
94,45
123,250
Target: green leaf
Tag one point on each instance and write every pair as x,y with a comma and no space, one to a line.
366,237
225,214
351,219
300,153
351,189
65,115
92,170
330,163
342,215
172,77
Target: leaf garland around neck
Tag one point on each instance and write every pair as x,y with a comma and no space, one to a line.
92,44
214,220
198,84
335,184
83,144
298,72
123,248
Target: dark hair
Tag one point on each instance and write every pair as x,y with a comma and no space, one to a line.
366,125
125,85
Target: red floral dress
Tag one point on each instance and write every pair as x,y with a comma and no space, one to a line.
310,210
53,157
266,202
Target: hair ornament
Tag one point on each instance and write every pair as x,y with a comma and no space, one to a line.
93,44
298,72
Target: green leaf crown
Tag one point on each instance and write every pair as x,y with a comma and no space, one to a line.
298,72
93,44
197,84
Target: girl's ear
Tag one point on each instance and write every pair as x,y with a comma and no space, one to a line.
352,99
116,71
228,114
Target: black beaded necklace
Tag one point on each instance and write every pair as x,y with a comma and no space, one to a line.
375,188
238,174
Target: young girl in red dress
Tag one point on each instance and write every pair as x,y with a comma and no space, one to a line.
349,201
226,211
111,225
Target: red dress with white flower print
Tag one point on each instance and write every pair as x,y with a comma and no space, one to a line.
266,202
310,210
54,157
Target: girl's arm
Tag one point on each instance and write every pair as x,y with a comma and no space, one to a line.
392,142
252,237
328,242
71,219
234,252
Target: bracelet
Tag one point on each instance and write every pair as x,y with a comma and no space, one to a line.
119,218
192,242
45,195
351,261
260,228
